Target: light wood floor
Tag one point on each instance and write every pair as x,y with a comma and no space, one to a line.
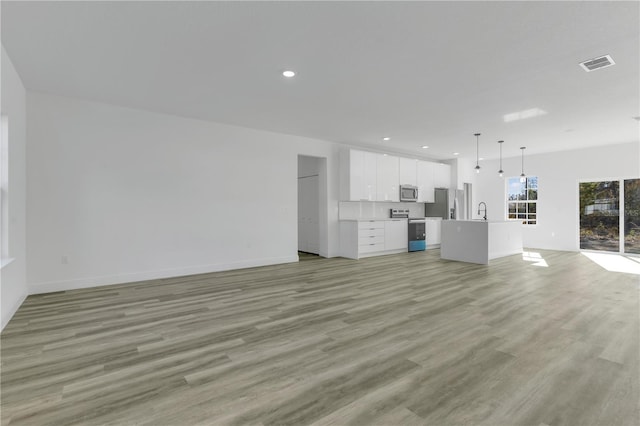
395,340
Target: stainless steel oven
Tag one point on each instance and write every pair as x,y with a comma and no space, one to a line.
417,234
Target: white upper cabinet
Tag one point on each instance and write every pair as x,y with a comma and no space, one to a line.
425,177
408,171
388,170
368,176
442,175
359,176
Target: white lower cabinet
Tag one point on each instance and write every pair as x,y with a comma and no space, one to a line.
433,231
372,237
396,235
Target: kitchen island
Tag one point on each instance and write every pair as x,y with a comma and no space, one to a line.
478,241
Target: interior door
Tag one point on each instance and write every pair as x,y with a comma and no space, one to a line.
631,221
309,214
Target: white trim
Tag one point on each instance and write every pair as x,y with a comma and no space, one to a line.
73,284
4,262
621,209
6,317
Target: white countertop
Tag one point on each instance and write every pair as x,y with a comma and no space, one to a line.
487,221
374,220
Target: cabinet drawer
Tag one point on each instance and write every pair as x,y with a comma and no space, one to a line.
371,247
372,224
373,239
375,232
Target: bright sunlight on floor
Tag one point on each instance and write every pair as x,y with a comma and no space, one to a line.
536,258
615,262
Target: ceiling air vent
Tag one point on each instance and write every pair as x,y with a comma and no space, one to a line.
597,63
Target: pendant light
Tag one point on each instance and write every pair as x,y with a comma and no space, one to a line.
500,172
477,135
523,177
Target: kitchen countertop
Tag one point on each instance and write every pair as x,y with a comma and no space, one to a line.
373,220
483,221
392,218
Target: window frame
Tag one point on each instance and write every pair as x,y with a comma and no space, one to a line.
527,203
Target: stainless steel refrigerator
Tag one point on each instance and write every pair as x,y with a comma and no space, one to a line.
449,204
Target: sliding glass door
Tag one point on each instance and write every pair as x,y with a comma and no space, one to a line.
632,216
600,215
601,205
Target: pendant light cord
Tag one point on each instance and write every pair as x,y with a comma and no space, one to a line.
477,168
500,172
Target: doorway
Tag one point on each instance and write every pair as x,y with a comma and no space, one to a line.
610,215
310,170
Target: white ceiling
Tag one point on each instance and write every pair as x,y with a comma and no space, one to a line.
429,73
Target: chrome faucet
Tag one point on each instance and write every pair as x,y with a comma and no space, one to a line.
485,209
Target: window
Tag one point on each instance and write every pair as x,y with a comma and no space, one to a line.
522,199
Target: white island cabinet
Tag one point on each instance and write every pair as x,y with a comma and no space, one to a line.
478,241
363,238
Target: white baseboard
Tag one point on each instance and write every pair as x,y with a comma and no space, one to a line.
6,316
74,284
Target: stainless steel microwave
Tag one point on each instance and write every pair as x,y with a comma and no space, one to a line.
408,193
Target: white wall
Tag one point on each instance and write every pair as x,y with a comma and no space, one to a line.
558,176
122,195
13,281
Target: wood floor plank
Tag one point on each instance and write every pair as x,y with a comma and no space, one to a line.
405,339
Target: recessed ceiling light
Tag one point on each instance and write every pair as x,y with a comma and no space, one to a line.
456,153
288,74
481,158
424,147
386,138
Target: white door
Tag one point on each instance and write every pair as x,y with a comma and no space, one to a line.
308,214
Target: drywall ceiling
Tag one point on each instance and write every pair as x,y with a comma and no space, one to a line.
421,73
